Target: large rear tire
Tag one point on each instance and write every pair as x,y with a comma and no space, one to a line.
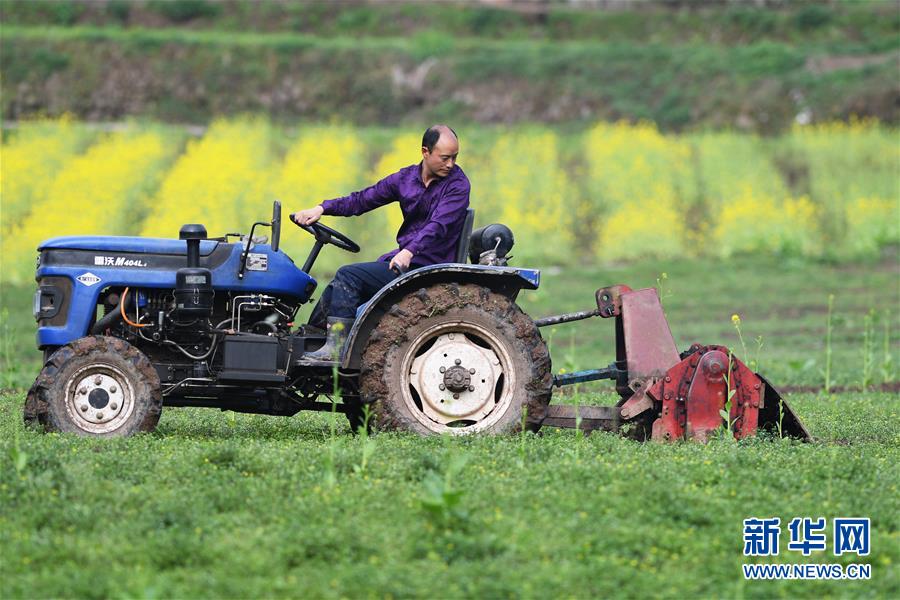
456,359
95,386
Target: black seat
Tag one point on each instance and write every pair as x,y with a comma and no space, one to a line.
462,249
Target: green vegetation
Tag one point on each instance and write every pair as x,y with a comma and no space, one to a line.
222,505
657,21
720,66
218,504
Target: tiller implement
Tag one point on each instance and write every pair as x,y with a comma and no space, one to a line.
667,395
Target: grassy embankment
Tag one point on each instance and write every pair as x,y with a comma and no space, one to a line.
658,20
217,504
723,66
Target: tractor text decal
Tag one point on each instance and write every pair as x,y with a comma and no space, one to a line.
257,262
117,261
88,279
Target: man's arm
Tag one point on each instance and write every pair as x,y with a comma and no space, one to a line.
450,211
357,203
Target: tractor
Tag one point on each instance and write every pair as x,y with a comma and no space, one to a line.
128,325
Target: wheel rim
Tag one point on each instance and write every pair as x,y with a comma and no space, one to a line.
99,398
457,378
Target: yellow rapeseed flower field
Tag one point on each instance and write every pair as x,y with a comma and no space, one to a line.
521,183
319,165
871,223
640,187
31,156
101,192
223,180
853,164
753,222
619,191
734,174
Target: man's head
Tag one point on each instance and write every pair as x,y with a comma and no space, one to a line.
440,147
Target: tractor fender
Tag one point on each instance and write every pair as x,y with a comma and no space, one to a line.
503,280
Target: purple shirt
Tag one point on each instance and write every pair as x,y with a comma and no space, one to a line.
432,217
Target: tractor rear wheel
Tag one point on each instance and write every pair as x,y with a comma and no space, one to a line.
456,359
95,386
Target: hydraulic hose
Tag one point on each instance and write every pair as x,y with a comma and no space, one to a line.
124,316
109,319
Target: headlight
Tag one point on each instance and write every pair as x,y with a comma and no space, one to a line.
36,311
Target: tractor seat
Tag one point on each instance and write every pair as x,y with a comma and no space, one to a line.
462,249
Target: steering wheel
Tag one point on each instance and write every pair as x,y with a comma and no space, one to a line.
276,225
327,235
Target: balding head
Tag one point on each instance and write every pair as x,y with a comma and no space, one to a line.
434,133
440,147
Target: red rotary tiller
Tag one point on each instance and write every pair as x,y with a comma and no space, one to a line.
665,395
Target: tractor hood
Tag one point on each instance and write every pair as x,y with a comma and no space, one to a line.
140,245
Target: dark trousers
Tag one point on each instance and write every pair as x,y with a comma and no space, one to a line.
352,286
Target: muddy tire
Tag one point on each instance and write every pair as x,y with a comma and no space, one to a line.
456,359
95,386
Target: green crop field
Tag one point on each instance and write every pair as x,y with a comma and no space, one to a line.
741,157
222,505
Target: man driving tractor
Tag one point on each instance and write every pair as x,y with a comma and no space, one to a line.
433,197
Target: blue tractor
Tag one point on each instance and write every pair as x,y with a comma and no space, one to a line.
130,324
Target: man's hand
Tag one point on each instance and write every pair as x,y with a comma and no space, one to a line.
400,262
308,216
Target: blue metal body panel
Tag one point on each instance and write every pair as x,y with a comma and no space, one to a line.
282,278
106,243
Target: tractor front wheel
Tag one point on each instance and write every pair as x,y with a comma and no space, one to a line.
456,359
95,386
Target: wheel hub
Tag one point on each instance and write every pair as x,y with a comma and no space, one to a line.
99,398
456,379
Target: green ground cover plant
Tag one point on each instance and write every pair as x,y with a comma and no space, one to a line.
215,504
654,19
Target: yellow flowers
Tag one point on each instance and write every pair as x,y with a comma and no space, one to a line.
102,192
523,185
758,223
639,186
852,166
221,180
871,223
321,164
618,191
35,152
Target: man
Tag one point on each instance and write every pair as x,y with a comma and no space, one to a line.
433,196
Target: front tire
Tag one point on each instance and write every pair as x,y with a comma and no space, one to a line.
456,359
95,386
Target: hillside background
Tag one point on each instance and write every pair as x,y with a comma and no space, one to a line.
758,66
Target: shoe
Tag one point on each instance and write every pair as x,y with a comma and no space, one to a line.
330,352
